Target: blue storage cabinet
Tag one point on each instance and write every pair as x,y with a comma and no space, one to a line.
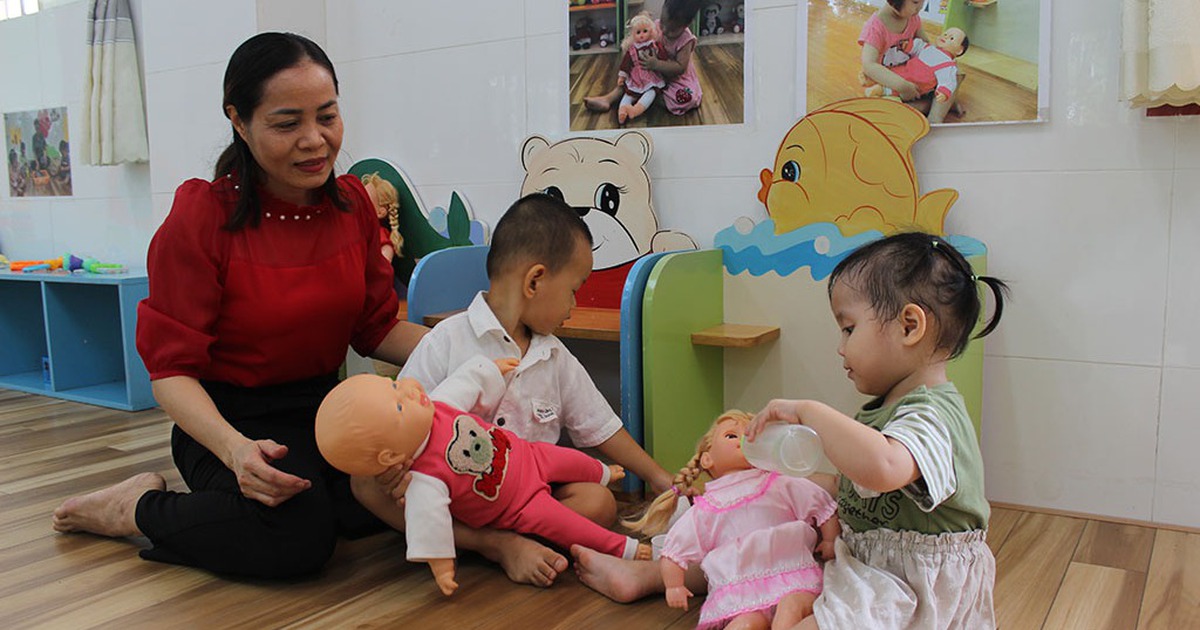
83,325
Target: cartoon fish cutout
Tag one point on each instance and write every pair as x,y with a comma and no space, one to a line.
850,163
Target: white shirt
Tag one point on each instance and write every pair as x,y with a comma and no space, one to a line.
549,391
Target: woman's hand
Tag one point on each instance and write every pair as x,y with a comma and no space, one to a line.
258,479
394,481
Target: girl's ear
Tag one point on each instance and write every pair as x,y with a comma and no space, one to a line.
706,461
533,276
914,323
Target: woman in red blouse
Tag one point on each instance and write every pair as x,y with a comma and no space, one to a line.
259,280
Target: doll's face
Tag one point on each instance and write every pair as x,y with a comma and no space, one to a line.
724,454
380,209
643,32
951,41
412,403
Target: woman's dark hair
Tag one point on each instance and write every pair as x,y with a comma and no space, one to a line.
537,228
254,63
922,269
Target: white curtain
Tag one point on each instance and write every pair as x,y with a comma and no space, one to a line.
114,118
1160,62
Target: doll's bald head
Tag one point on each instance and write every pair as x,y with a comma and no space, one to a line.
368,423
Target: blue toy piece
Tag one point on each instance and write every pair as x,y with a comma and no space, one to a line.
446,280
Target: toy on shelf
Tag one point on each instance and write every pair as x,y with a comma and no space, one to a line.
584,34
3,261
90,265
739,18
29,266
712,20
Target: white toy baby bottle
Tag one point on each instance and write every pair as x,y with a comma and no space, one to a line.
790,449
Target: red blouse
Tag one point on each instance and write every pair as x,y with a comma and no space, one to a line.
268,304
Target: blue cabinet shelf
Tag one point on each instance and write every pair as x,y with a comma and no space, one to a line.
82,326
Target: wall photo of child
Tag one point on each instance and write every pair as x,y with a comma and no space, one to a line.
654,64
953,60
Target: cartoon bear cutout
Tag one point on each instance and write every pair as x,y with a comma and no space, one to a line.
607,184
479,451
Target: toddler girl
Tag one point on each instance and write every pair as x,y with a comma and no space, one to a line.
886,41
677,42
753,532
914,518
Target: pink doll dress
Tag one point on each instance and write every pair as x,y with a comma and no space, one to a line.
753,533
683,93
638,78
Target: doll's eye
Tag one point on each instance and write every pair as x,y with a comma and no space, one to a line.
608,199
399,408
790,171
555,192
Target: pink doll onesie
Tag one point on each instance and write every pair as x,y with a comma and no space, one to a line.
931,68
485,476
683,93
638,78
753,533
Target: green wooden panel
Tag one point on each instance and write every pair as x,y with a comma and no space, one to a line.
684,384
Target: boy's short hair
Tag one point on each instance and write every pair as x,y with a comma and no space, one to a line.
538,228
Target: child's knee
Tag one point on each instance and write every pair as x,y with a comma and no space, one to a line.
591,500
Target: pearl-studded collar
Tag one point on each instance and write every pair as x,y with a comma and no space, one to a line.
307,215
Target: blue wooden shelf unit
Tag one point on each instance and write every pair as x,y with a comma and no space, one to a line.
82,326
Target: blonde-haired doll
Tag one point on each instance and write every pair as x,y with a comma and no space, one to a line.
641,83
387,209
753,532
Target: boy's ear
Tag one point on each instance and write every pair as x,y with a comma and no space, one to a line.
914,323
533,276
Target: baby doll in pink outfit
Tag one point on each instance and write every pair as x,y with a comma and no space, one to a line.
641,83
930,68
462,466
754,533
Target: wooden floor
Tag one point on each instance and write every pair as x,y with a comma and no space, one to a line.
1054,571
719,68
995,88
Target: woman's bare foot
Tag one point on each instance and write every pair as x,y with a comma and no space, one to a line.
597,103
620,580
107,512
525,561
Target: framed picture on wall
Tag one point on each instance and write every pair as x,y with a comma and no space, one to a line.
607,39
37,153
958,61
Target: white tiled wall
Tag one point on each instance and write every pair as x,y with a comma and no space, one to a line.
1092,215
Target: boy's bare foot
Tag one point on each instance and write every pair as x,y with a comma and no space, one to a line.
525,561
107,512
597,103
620,580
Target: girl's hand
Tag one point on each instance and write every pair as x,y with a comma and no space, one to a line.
908,91
677,597
394,481
778,410
258,479
648,58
